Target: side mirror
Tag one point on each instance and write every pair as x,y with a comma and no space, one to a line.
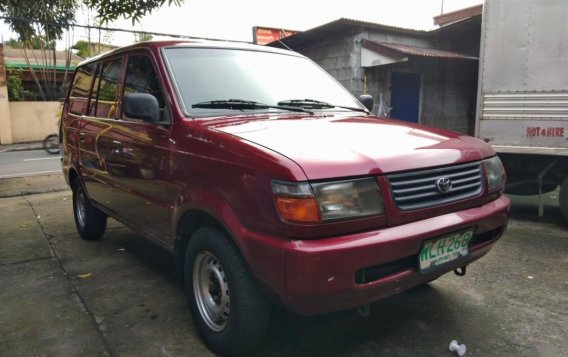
367,101
141,106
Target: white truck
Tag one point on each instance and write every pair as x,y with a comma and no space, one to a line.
522,105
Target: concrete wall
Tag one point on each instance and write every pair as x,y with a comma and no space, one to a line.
449,94
448,91
339,56
22,122
448,86
5,122
29,121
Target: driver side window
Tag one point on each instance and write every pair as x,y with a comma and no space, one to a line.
141,77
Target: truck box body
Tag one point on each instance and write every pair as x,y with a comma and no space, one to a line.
524,76
523,90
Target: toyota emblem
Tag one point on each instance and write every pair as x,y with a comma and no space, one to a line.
444,184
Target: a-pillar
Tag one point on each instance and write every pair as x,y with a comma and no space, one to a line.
5,120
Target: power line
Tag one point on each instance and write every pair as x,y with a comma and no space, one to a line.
101,28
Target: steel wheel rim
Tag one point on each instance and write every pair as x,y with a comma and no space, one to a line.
211,291
80,205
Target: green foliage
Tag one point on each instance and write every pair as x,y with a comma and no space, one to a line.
88,49
141,37
23,13
29,18
36,43
82,48
14,84
110,10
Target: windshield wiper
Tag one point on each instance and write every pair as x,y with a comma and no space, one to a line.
316,104
239,104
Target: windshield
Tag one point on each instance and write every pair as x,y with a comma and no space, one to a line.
271,80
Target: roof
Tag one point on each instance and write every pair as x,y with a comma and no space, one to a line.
458,15
374,25
341,25
399,51
15,58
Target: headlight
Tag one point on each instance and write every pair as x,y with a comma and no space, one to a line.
327,201
495,173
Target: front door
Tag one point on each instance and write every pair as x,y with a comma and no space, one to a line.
405,96
140,157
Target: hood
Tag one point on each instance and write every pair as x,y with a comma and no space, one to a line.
347,146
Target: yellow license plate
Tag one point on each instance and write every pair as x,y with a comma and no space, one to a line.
436,253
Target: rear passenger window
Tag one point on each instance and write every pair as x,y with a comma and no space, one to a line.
105,90
80,89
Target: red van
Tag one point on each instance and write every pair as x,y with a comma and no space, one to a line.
271,183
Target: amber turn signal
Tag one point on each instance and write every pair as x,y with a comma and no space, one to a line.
298,209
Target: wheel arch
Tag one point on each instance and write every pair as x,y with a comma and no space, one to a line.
189,222
72,176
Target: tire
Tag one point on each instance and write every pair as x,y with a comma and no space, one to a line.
229,312
51,144
89,220
563,198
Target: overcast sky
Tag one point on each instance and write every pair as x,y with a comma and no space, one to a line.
234,19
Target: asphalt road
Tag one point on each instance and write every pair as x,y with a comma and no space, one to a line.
62,296
28,163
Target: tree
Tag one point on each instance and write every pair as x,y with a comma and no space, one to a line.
30,18
43,54
15,87
82,48
109,10
49,18
36,43
141,37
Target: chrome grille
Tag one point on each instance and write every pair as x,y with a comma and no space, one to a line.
419,189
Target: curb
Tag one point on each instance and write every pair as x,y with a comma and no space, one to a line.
22,147
31,192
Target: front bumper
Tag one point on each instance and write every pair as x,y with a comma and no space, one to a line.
336,273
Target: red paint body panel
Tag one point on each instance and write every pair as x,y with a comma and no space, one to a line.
320,274
149,176
343,145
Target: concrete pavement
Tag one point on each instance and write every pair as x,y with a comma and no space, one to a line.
61,296
65,297
30,185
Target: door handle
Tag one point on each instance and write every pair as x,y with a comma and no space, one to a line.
82,136
116,146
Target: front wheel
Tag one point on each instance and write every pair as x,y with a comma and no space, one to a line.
229,312
563,198
51,144
89,220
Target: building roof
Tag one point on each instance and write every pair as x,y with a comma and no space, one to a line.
15,58
463,23
458,15
342,25
398,50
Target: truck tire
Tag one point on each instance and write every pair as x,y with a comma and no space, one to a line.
89,220
229,312
563,199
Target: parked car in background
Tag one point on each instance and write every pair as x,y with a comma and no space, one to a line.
270,183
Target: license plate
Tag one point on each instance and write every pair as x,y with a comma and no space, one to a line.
436,253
